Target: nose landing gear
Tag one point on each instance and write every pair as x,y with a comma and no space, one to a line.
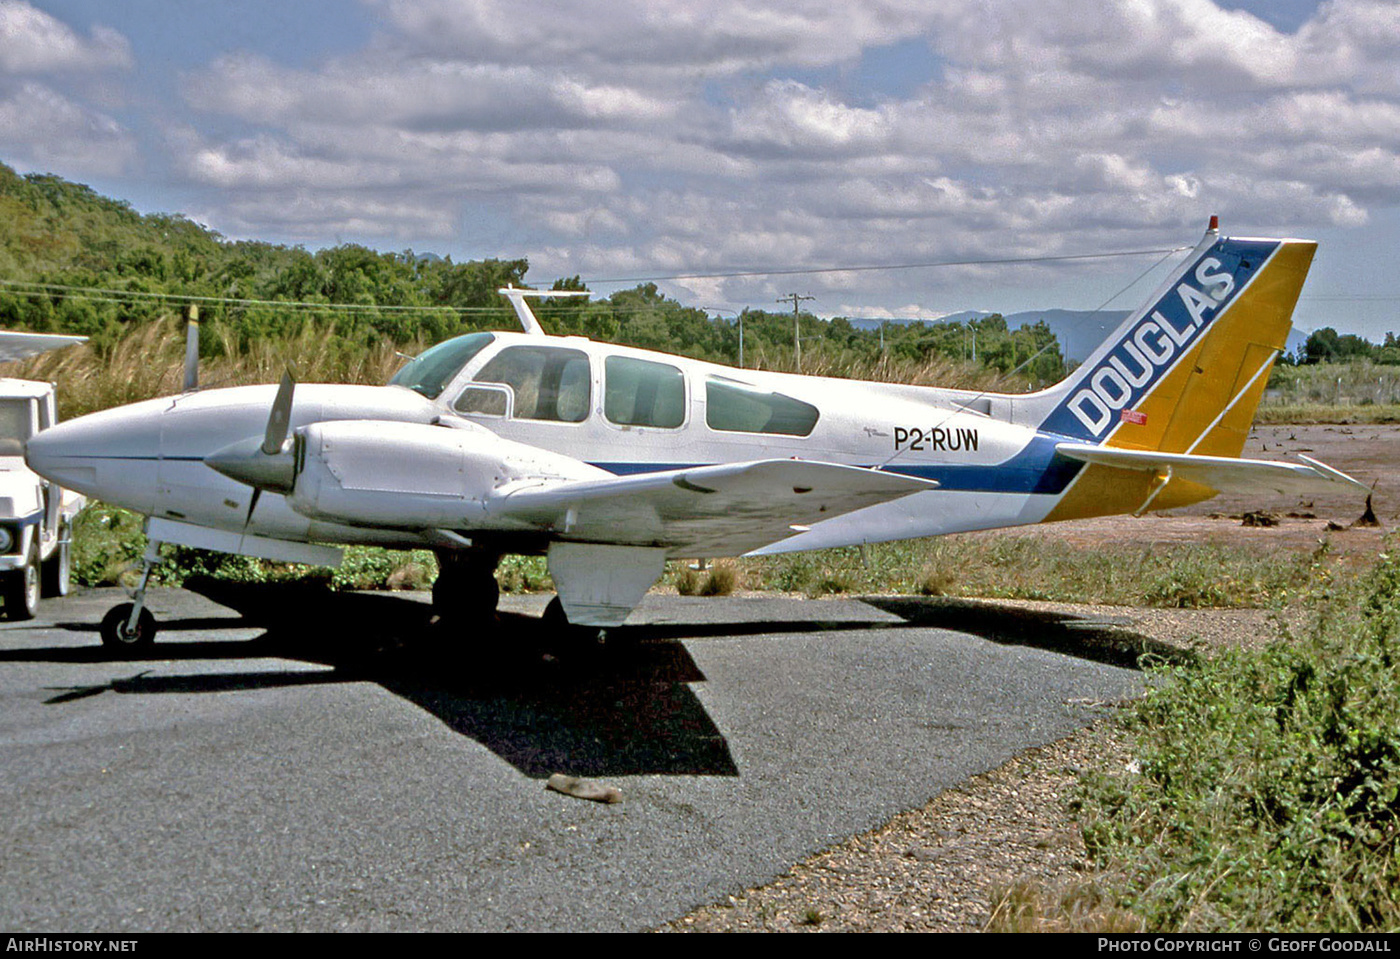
131,627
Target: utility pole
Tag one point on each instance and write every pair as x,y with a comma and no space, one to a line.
796,324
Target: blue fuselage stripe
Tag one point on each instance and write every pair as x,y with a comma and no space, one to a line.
1036,469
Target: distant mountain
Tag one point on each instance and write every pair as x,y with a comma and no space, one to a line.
1079,331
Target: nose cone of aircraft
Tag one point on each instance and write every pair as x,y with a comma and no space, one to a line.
113,455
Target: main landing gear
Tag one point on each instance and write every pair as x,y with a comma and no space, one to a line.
130,627
466,589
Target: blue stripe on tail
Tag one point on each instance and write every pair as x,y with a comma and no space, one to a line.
1141,351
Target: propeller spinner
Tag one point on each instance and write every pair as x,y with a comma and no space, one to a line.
268,463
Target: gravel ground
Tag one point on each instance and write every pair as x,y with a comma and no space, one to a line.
940,868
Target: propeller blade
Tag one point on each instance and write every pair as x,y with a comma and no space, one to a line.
252,505
192,352
281,417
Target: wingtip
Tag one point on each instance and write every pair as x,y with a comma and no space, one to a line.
1335,475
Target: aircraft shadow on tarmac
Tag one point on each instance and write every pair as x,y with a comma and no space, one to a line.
543,704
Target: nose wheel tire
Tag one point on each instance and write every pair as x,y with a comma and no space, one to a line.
21,589
117,635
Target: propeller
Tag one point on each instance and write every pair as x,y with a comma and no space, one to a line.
266,463
192,351
281,416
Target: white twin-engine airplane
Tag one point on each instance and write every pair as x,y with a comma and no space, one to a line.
610,460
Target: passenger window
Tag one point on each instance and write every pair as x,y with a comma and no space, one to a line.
642,393
548,383
740,408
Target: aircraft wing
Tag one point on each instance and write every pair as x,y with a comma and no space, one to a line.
18,346
1220,473
720,510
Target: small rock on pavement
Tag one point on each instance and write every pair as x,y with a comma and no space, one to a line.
583,788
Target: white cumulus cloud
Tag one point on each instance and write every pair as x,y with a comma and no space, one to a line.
32,41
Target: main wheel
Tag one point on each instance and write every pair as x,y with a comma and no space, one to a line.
116,634
466,591
58,569
21,588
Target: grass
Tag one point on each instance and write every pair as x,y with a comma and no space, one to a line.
149,362
1042,568
1264,791
1083,907
108,543
1295,414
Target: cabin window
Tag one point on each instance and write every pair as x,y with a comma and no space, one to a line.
546,382
433,369
484,401
643,393
740,408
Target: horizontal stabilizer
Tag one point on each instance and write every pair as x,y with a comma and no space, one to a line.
1220,473
19,346
704,510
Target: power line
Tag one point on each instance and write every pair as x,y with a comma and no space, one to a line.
1351,297
121,296
804,271
101,295
107,295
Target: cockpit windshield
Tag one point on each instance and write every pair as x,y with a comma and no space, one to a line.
430,371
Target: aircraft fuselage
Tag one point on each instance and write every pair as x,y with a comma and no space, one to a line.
149,456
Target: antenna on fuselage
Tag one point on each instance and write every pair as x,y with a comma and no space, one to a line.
522,309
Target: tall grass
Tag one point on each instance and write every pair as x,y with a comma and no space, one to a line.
149,362
931,370
1354,383
1266,787
1044,568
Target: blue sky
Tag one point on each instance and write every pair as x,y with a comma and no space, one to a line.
657,137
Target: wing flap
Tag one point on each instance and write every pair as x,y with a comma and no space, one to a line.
705,510
1220,473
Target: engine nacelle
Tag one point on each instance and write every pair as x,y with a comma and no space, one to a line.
412,476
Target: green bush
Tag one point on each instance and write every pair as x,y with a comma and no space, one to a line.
1266,791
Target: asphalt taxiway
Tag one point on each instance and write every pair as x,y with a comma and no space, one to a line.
286,759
